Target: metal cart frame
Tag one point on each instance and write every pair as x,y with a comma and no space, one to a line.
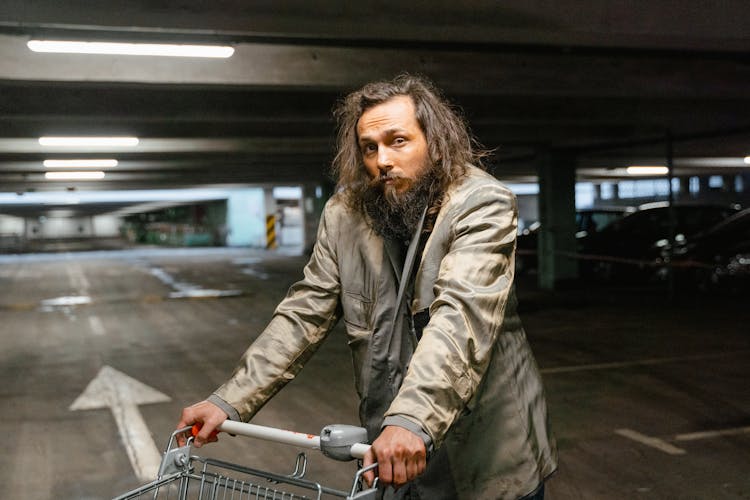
183,475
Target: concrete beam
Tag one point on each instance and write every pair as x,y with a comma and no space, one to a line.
719,25
322,67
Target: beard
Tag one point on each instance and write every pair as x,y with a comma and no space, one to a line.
395,215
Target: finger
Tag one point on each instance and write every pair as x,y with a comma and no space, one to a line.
368,460
399,473
212,437
206,434
385,471
181,439
186,420
420,461
412,470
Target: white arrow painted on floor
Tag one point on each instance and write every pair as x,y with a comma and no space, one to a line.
122,394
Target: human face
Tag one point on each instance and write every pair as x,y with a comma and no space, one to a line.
393,146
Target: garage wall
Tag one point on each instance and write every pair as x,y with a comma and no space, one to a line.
106,226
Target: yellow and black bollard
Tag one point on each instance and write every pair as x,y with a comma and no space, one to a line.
270,232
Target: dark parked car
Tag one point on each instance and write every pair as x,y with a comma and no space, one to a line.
715,260
631,248
588,220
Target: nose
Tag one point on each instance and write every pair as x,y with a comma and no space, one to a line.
385,163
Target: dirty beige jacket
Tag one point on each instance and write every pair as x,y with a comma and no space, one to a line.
471,384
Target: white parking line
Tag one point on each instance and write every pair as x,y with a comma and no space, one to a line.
97,328
653,442
693,436
78,279
641,362
185,290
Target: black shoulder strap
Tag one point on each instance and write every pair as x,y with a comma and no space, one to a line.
411,257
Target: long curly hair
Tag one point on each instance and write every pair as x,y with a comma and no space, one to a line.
450,144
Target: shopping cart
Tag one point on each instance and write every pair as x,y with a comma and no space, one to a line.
183,475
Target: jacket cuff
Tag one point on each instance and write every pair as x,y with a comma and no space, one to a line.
411,426
228,409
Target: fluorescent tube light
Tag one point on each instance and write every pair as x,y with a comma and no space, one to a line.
75,176
655,170
80,163
747,160
130,49
88,141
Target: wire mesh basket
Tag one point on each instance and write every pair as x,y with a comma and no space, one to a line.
184,476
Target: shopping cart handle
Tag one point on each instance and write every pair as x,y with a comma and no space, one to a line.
342,438
338,441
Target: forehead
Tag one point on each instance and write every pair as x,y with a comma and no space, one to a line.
397,113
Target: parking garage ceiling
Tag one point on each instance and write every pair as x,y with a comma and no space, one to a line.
602,81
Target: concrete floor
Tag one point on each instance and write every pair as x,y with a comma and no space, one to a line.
630,381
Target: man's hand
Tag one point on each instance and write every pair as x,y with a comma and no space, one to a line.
400,454
208,416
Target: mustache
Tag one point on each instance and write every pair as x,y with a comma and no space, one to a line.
376,181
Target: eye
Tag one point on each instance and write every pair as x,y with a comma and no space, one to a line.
398,141
369,148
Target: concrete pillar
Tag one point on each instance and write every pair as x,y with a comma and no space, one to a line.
684,188
245,219
597,194
314,198
727,184
557,242
269,203
703,187
742,183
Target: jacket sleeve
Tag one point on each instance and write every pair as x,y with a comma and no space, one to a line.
471,293
299,324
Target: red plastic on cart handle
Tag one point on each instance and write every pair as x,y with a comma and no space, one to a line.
197,428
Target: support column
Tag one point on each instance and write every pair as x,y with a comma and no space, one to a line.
269,203
557,242
615,191
684,188
727,184
703,187
315,197
597,194
245,218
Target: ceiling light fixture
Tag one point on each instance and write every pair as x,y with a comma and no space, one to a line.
130,49
80,163
647,170
89,141
747,160
75,176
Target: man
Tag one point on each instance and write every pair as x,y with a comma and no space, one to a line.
416,252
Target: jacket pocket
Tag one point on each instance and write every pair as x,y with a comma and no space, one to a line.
359,341
357,310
